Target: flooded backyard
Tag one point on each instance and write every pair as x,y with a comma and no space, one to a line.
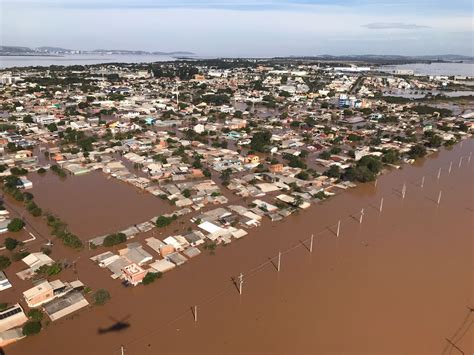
399,283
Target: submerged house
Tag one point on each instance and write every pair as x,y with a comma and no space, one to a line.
12,317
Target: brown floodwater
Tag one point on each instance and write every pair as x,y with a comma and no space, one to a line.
95,204
399,283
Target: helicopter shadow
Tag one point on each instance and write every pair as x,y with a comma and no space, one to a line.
117,326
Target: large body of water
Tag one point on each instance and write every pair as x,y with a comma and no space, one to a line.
78,59
399,283
466,69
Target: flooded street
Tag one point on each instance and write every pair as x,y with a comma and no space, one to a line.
399,283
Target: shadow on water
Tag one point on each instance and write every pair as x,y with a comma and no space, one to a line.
117,326
461,331
235,283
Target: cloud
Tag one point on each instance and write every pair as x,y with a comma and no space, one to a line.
393,25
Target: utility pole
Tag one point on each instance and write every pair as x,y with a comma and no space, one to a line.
241,281
311,244
338,228
381,205
361,216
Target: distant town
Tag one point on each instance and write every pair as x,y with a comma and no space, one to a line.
218,146
57,51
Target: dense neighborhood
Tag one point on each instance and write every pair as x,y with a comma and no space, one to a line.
219,146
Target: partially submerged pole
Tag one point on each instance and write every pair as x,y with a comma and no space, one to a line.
195,313
311,244
439,173
460,162
404,190
381,205
439,197
241,281
122,350
361,216
279,261
376,180
450,167
422,181
338,228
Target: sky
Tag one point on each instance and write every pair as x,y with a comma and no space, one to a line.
249,28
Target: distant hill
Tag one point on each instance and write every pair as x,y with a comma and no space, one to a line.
53,49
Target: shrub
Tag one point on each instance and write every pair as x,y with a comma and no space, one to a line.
18,171
151,277
28,196
4,262
58,170
71,240
31,328
164,221
101,296
114,239
50,270
15,225
35,315
3,306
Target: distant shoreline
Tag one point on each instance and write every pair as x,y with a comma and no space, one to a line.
31,55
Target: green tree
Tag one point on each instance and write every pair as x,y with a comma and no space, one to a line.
52,127
325,155
186,193
11,243
333,172
391,156
28,119
31,328
15,225
260,140
435,141
417,151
